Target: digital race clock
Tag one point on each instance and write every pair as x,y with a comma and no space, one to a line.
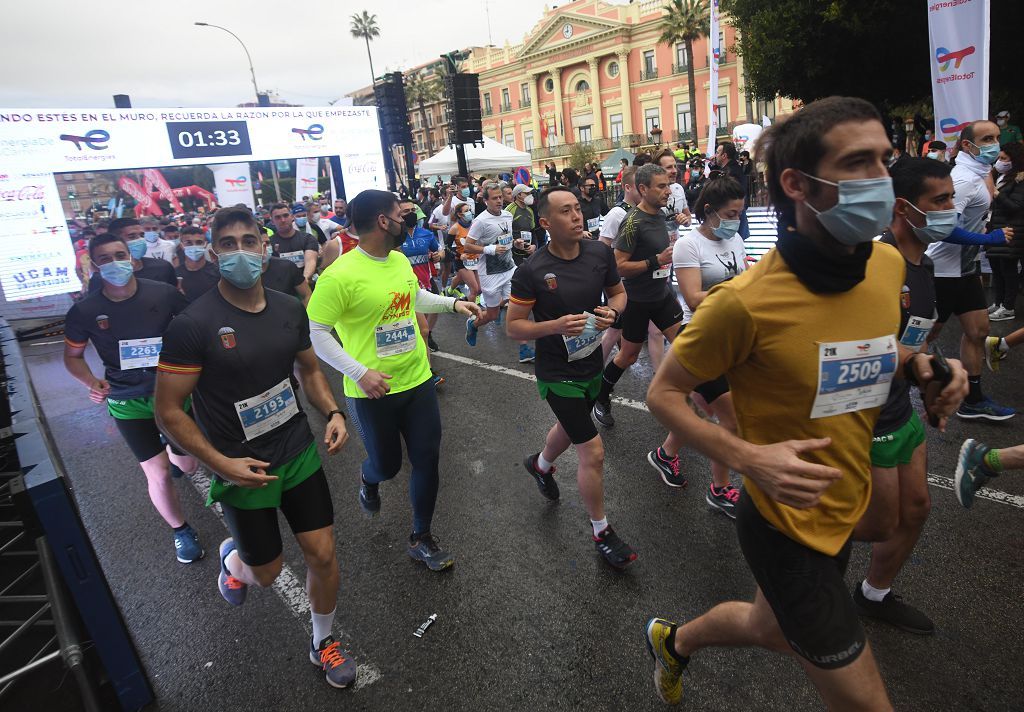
203,139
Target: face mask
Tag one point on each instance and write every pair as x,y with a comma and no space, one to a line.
528,200
117,273
987,154
928,136
465,192
1000,122
465,220
933,154
241,268
266,255
863,210
397,238
726,229
137,247
300,222
195,252
175,241
151,236
939,224
1003,166
410,220
592,190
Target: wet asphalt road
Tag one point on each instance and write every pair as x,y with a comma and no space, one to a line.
529,617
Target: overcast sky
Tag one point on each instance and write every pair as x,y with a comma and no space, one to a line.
69,53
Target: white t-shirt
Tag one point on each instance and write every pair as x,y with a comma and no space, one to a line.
437,217
971,200
718,260
612,221
457,201
489,229
329,227
161,250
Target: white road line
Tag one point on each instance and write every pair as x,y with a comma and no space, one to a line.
291,590
45,343
936,480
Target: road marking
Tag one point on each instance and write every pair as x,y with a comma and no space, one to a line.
938,481
291,590
45,343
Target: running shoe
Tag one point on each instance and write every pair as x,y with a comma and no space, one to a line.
526,353
894,611
993,307
425,549
231,588
667,467
994,352
339,670
545,480
454,293
724,500
986,409
668,670
431,344
186,545
1002,314
603,413
615,551
471,331
369,499
971,473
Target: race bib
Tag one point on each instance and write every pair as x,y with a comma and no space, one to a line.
261,414
593,225
296,258
505,240
854,375
662,272
916,332
139,353
583,344
395,338
527,237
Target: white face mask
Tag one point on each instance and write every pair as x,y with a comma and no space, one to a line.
528,200
1002,166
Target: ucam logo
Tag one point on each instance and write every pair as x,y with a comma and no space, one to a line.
95,139
951,128
945,57
314,132
236,182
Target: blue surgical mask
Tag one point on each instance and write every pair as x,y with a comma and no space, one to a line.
117,272
863,210
726,229
933,154
939,224
241,268
300,222
137,248
465,192
195,252
151,236
266,256
988,154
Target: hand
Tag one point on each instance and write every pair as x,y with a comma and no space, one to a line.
374,384
468,309
605,317
531,248
1008,233
246,472
336,434
785,477
571,324
500,249
687,217
99,390
949,398
665,256
519,244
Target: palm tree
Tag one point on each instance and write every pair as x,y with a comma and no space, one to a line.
421,90
365,26
686,21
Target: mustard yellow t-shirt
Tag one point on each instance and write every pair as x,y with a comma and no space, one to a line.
763,330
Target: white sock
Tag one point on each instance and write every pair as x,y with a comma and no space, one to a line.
543,465
599,526
873,594
322,623
1003,346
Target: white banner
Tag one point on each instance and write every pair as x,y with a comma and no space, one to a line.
958,36
714,56
233,185
305,178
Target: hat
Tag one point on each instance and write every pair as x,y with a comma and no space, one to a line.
521,188
298,208
1004,114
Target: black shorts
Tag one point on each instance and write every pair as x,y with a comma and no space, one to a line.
713,390
958,295
805,589
574,416
144,438
664,313
307,507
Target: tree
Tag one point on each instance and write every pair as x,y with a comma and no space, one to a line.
581,154
365,26
687,21
421,90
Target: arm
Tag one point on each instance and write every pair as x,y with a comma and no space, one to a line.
689,286
74,362
373,383
304,292
520,328
959,236
309,263
332,251
318,391
629,268
430,303
447,207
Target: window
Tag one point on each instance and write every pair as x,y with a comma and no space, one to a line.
613,69
652,119
582,86
763,108
682,60
527,140
549,85
615,122
487,103
552,132
524,94
721,46
505,101
510,140
683,122
649,67
430,118
723,111
584,132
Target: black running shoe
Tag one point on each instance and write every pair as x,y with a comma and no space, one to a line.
426,549
615,551
667,467
369,500
894,611
431,344
545,480
603,413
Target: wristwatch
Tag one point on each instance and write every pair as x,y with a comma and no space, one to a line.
336,410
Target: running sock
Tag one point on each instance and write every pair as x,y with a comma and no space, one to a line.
322,623
543,466
1003,346
599,525
184,526
873,594
672,647
974,393
991,462
612,374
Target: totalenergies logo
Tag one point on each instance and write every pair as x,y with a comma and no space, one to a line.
314,132
951,128
236,182
945,57
95,139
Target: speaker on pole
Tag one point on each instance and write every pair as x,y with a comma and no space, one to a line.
464,98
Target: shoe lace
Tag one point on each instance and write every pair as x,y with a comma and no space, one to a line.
232,583
331,656
673,463
429,543
731,493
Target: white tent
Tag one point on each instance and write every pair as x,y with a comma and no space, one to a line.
493,156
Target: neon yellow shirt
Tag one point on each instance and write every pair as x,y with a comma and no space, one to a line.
372,305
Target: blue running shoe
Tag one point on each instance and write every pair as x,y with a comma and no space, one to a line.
971,473
426,549
986,409
526,354
231,588
339,670
186,545
369,500
471,331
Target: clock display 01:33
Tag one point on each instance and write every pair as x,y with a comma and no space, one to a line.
202,139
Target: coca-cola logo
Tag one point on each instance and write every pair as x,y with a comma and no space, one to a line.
26,192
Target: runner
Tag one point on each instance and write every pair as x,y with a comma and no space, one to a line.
235,348
491,236
562,285
281,275
819,309
296,246
609,231
196,274
978,463
130,230
593,206
465,264
421,248
523,227
677,210
125,322
370,296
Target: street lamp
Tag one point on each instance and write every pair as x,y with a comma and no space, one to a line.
252,73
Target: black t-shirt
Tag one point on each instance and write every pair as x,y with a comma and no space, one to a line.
196,283
152,268
294,248
522,221
238,356
282,276
735,171
104,322
643,235
916,300
556,287
592,211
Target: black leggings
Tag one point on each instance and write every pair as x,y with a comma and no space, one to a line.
1005,280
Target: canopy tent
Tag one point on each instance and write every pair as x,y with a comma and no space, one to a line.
610,164
493,156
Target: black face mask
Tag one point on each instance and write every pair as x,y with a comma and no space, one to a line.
591,190
822,270
410,219
397,237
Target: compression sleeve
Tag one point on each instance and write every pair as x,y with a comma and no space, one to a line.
959,236
331,352
430,303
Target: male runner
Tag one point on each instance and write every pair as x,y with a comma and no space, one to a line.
282,275
677,211
562,285
296,246
370,296
196,274
805,338
422,248
491,235
125,322
523,227
235,349
130,230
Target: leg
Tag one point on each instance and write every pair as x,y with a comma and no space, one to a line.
998,279
914,503
420,423
143,438
972,343
882,515
310,514
733,624
655,346
722,409
378,428
590,476
256,559
556,443
1015,339
1012,283
608,342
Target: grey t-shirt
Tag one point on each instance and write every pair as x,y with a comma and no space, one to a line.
488,229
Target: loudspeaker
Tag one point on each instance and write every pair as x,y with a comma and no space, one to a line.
464,100
392,109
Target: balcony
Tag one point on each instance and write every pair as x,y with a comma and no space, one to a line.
525,103
680,68
505,108
488,111
649,73
600,145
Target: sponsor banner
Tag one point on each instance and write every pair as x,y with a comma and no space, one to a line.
233,185
305,178
958,36
714,57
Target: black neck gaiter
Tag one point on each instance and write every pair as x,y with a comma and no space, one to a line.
822,271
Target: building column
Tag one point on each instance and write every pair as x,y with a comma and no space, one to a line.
556,78
597,127
535,110
627,104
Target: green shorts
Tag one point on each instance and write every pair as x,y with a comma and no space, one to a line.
571,389
290,474
897,447
136,408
